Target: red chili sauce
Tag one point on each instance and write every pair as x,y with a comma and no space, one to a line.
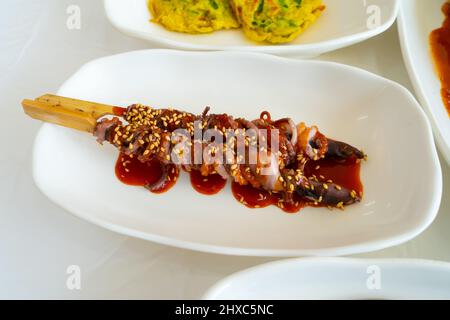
209,185
346,174
133,172
119,111
440,48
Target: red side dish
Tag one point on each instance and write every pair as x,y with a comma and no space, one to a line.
440,47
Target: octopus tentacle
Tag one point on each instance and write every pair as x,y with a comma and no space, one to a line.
341,150
317,146
329,194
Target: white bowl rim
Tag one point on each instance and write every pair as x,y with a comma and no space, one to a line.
220,285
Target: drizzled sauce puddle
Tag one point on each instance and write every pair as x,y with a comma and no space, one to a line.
440,47
133,172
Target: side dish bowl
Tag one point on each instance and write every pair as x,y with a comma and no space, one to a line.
344,22
416,21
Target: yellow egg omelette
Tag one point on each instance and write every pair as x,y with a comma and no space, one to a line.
271,21
193,16
276,21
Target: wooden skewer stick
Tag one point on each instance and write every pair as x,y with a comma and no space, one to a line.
72,113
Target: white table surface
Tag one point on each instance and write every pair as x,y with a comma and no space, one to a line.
39,240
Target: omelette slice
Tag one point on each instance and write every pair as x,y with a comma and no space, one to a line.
276,21
193,16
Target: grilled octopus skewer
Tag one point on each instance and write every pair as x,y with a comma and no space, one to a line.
148,133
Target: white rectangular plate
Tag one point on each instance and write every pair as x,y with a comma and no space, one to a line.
417,20
344,22
403,182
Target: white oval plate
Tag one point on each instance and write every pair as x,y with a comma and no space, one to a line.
416,21
337,279
345,22
403,181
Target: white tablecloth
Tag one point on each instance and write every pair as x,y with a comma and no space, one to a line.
39,240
